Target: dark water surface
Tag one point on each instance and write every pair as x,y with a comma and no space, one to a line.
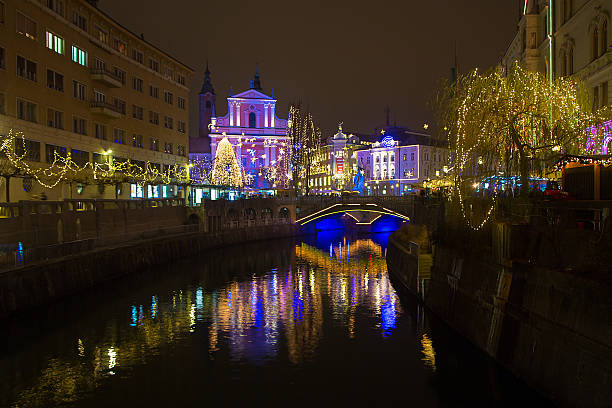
313,323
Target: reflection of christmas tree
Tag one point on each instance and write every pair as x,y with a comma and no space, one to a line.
226,171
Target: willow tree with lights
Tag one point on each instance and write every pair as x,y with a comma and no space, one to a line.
226,170
306,139
496,122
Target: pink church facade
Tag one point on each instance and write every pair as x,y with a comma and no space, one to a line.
258,136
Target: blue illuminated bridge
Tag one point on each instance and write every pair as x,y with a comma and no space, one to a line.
363,213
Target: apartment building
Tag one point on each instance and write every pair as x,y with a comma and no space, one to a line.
74,80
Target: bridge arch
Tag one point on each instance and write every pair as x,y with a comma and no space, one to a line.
348,208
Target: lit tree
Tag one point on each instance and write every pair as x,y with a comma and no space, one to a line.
305,139
511,122
226,171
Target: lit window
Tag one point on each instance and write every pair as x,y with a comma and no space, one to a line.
26,26
79,56
55,43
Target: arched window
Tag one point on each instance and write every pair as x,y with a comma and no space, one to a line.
208,105
595,43
570,61
604,37
563,61
252,120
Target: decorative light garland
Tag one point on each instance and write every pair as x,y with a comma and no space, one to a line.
64,169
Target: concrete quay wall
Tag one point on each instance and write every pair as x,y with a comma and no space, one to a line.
39,284
549,327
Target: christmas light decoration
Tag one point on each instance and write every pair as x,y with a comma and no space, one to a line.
519,123
65,169
226,170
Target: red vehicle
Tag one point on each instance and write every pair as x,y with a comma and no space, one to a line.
554,192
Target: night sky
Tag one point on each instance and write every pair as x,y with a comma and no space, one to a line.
344,60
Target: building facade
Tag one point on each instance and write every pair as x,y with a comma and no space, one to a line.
258,136
393,165
334,165
566,38
74,80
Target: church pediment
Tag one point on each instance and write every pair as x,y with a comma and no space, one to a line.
251,94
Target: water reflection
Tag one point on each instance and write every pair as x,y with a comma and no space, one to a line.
285,305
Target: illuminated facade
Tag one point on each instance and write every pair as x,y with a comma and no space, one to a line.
390,168
73,80
580,39
335,164
258,136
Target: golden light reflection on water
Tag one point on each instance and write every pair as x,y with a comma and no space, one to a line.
248,318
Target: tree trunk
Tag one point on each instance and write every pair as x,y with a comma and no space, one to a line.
523,162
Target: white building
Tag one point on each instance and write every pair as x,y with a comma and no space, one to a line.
392,169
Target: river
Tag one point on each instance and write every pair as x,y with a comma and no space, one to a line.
311,322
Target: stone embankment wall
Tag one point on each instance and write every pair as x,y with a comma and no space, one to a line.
550,326
38,284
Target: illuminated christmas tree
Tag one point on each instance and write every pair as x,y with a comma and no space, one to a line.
226,171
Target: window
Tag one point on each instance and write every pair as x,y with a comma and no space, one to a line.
79,56
252,120
168,148
604,37
180,150
80,157
55,119
28,149
137,141
120,46
79,125
137,84
168,97
101,34
100,131
137,56
99,64
412,156
181,126
153,144
2,12
55,80
52,151
595,44
181,102
154,65
99,96
119,136
604,94
154,91
154,118
57,6
2,105
26,68
168,72
570,61
137,112
168,123
120,105
595,98
26,26
55,43
2,58
180,79
26,110
79,90
120,74
79,20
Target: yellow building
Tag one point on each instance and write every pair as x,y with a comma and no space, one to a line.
73,80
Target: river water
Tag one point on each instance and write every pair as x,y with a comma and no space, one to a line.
305,323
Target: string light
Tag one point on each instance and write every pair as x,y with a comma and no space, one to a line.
65,169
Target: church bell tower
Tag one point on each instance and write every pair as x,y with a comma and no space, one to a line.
207,104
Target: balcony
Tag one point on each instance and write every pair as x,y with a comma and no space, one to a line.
106,109
106,77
